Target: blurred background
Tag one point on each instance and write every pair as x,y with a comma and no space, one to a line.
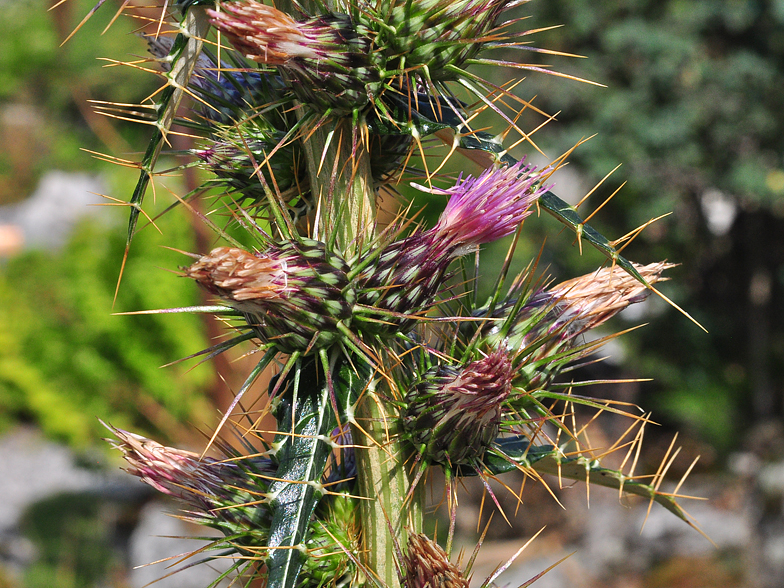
693,109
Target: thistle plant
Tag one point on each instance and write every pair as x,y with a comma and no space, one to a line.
387,364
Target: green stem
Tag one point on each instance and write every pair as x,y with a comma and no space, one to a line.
382,477
342,186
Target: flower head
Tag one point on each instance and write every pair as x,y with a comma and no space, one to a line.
426,565
453,414
237,153
590,300
223,494
550,322
325,60
437,33
226,94
333,535
490,206
292,294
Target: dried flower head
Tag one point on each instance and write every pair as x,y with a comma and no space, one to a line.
589,300
224,494
426,565
325,60
292,294
544,334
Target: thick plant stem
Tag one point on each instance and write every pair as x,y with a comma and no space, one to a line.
342,187
382,478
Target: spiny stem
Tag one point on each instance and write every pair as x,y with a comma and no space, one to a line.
185,51
342,185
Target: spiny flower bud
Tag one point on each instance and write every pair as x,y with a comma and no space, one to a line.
409,272
437,33
238,152
334,534
292,294
226,495
426,565
550,321
325,60
452,415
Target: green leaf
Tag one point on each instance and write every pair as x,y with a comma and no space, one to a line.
514,453
306,418
184,55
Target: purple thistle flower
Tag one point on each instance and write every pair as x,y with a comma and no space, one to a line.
488,207
408,273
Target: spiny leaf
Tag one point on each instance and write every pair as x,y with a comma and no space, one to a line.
184,55
306,418
514,453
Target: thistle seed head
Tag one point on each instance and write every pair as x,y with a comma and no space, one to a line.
426,565
292,294
452,415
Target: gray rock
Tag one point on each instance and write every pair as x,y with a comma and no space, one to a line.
60,201
160,537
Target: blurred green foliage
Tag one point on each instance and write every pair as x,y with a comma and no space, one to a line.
65,359
45,118
68,360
